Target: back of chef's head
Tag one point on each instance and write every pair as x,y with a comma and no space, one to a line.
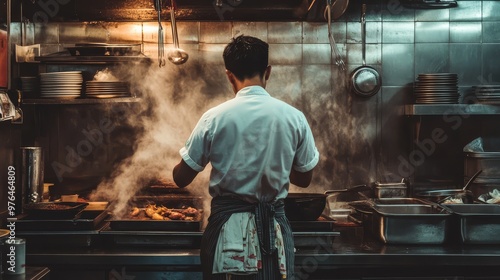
246,56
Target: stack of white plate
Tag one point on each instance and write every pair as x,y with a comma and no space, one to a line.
106,89
61,84
436,88
29,84
487,94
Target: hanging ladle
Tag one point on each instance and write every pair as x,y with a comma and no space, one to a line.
177,55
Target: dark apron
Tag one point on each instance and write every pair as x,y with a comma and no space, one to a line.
221,210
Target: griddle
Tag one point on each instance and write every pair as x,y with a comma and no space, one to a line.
169,201
175,202
155,225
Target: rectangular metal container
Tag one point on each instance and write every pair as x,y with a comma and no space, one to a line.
86,220
482,154
476,223
390,190
400,201
410,224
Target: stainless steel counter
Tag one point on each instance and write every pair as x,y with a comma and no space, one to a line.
349,256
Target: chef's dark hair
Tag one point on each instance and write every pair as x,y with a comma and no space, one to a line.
246,56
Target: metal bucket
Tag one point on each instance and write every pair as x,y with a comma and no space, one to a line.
31,171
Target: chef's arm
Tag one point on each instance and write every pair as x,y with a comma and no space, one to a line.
183,174
301,179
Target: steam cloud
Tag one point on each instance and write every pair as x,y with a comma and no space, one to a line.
173,99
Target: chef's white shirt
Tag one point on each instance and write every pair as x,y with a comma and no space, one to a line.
252,141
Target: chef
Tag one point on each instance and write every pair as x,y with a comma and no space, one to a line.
257,145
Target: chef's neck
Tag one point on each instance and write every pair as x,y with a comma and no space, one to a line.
256,80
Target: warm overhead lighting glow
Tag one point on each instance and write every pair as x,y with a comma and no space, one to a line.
149,28
136,28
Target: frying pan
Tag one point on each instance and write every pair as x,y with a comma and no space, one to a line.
365,80
304,206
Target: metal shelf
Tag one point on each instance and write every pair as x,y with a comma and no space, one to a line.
451,109
91,59
81,101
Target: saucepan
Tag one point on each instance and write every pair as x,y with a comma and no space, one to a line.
309,206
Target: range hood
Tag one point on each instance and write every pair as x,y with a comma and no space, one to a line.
143,10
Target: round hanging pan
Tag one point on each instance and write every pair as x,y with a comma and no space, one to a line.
365,80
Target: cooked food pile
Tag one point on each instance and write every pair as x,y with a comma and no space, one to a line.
453,200
154,212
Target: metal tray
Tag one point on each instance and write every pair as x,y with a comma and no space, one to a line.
476,223
141,239
154,225
86,220
366,206
410,224
53,210
400,201
157,225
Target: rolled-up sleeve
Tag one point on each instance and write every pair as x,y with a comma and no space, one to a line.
196,151
307,155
